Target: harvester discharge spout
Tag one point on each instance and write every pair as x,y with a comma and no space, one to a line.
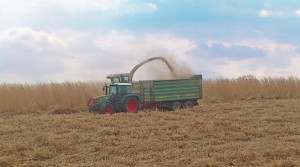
127,77
147,61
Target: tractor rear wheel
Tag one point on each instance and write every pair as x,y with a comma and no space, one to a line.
131,105
107,108
188,104
175,106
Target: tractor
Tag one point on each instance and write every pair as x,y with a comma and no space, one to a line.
119,97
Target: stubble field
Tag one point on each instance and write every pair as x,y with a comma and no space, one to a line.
230,127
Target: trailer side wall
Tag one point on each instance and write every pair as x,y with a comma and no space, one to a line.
171,90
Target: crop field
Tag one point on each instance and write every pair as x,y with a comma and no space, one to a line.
240,122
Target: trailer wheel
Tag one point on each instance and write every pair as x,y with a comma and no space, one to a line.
188,104
132,105
175,106
107,108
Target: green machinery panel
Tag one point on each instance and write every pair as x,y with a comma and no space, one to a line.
171,90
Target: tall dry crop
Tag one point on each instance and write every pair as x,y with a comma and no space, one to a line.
75,94
42,96
251,88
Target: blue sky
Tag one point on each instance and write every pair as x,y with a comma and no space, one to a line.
42,41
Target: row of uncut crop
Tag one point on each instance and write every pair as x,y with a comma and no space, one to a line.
43,96
75,94
245,88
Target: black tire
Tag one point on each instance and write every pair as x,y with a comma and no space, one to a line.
91,110
107,108
132,105
175,106
188,104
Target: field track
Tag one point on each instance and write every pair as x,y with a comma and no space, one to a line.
215,133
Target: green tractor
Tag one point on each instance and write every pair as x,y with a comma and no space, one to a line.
118,97
174,94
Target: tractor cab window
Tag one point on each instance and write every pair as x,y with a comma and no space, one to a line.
120,89
121,79
126,79
113,90
124,90
116,80
128,89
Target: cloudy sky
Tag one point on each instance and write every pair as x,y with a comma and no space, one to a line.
70,40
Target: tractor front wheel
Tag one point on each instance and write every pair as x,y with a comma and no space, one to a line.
131,105
107,108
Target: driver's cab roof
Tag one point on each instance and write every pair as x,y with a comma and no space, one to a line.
123,84
111,76
119,78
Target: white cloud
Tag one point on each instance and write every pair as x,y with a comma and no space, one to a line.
268,45
268,5
107,7
298,12
34,13
31,56
31,39
268,13
294,66
66,5
152,6
232,68
278,59
210,43
264,13
131,49
263,44
144,44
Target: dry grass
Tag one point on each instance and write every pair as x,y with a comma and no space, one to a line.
75,94
43,96
240,122
243,88
233,133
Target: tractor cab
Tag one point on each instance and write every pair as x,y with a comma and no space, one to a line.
118,92
119,89
120,84
119,78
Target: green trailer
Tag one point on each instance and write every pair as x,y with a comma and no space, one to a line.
127,97
124,95
175,94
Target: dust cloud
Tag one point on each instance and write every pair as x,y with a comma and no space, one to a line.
158,70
